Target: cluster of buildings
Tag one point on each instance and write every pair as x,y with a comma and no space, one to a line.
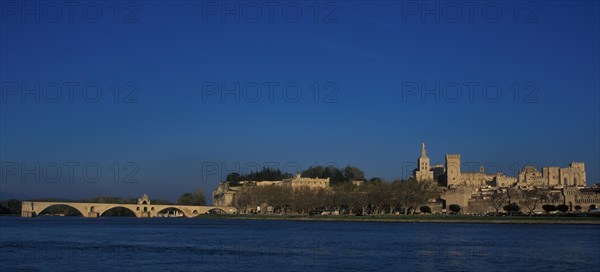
225,193
473,190
450,174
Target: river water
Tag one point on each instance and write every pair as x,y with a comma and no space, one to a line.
181,244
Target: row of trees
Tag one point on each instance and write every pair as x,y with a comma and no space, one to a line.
564,208
262,175
530,200
548,208
336,175
373,197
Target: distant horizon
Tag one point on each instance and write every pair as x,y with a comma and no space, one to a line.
208,191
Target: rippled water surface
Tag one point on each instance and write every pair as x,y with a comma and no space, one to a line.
178,244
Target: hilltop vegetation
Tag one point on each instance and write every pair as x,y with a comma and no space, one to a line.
336,175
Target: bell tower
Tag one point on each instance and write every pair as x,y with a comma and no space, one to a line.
423,171
423,160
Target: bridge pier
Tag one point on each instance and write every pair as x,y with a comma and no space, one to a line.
92,215
27,213
143,215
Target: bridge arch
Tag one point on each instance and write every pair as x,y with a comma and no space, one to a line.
186,214
45,207
117,206
217,210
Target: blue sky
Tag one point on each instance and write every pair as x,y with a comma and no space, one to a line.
376,65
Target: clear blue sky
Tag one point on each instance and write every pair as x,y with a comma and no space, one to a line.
179,133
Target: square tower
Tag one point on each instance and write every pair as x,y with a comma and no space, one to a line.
453,169
576,170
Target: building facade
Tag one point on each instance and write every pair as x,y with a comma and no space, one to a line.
225,193
313,183
572,175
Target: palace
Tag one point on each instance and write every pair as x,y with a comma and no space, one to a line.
450,175
473,190
573,175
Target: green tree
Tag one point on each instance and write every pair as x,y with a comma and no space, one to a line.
336,176
562,208
353,173
425,209
549,208
233,177
455,208
11,206
195,198
265,174
512,208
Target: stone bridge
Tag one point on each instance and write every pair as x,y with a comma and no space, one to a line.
142,209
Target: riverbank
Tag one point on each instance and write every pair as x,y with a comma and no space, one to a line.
421,218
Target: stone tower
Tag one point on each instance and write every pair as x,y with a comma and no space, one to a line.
573,175
423,171
423,160
453,170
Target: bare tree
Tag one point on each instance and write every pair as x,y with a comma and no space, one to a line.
414,193
373,197
498,199
531,199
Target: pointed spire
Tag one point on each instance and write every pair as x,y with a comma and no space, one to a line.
423,152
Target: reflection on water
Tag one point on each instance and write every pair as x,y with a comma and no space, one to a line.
178,244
